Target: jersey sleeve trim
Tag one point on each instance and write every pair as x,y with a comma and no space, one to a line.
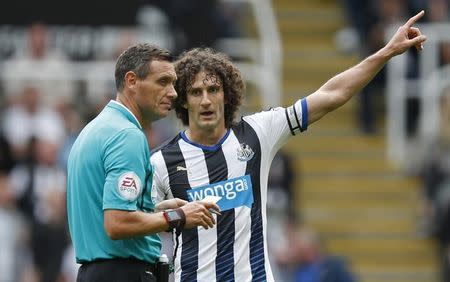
289,121
297,116
305,114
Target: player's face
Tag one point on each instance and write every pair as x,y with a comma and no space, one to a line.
156,92
205,103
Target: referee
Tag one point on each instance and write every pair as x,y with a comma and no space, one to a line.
112,218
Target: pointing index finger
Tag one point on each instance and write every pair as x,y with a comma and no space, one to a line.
414,19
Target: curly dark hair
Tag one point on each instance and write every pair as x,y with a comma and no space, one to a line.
137,58
196,60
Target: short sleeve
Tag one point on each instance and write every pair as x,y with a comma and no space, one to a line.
126,169
274,127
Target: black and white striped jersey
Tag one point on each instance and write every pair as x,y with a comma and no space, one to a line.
236,169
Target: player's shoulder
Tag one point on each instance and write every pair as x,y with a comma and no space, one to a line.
264,113
260,117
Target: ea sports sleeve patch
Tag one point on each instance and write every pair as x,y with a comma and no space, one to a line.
129,186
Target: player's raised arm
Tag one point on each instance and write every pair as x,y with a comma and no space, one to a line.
339,89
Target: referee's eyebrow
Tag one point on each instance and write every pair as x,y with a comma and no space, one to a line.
168,76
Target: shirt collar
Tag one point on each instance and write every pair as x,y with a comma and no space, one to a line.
205,147
125,111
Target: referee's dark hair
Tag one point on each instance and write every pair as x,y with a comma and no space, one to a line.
137,58
194,61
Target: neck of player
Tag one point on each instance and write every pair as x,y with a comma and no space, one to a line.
206,137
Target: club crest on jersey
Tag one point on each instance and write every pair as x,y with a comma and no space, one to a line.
244,152
129,186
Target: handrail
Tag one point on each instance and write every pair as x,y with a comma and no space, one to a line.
271,51
266,72
433,86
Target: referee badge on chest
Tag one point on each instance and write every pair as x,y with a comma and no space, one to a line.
244,152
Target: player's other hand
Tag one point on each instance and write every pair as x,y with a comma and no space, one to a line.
406,37
198,214
170,204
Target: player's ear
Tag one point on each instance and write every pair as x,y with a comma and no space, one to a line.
184,106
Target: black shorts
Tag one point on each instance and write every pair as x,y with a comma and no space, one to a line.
117,270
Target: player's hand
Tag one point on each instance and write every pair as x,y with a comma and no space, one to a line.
170,204
197,214
406,37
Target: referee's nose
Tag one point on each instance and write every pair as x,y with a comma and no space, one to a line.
172,94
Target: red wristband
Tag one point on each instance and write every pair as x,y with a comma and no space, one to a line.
175,218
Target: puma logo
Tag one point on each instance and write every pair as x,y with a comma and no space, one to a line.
181,168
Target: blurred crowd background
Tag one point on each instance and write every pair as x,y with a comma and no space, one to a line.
57,64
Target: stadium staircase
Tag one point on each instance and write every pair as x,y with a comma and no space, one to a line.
365,208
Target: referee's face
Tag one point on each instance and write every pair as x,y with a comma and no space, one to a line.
155,93
205,103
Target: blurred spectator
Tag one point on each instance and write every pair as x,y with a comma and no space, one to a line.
441,227
438,12
387,12
305,254
27,117
436,183
360,16
69,268
162,130
6,156
73,125
39,188
371,19
280,209
436,165
100,91
13,230
199,22
280,185
39,66
12,235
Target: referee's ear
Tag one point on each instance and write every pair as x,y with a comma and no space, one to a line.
130,79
